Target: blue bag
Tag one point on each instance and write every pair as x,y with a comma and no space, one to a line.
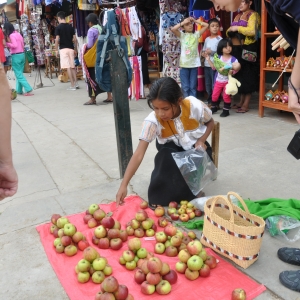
110,39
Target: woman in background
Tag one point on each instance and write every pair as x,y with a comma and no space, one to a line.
15,43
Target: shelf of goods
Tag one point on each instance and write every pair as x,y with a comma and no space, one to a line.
266,37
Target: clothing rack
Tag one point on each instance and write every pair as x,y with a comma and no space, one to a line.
118,3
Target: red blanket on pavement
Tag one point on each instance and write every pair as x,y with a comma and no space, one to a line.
219,285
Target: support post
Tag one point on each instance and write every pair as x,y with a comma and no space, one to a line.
118,74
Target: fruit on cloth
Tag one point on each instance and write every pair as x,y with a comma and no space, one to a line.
238,294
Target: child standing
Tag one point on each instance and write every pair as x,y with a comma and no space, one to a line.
177,124
210,48
231,66
189,57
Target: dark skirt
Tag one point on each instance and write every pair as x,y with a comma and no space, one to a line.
167,183
98,91
248,75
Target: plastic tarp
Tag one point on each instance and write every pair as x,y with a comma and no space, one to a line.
219,285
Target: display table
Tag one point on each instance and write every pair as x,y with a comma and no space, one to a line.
52,66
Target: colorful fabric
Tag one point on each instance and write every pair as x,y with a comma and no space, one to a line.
2,54
187,128
189,57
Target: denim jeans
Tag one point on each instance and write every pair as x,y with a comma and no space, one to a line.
209,74
188,78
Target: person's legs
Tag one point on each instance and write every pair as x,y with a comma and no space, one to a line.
245,105
227,103
18,63
208,73
184,78
218,88
67,62
193,81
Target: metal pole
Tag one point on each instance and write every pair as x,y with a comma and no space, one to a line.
118,74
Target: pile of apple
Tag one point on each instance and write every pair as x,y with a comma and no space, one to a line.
141,225
183,212
154,275
67,239
112,290
194,261
171,241
112,238
95,216
92,265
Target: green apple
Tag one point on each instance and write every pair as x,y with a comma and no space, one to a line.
56,242
122,261
130,265
107,270
98,277
83,265
163,288
142,253
69,229
100,232
61,222
59,248
195,263
99,264
83,277
136,259
150,232
93,208
70,250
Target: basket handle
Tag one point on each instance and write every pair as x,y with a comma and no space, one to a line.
229,203
240,199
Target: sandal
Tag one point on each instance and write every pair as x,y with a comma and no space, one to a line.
290,279
235,106
28,94
108,100
90,103
241,110
289,255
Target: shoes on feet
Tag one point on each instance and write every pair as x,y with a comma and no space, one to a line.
225,113
77,86
71,88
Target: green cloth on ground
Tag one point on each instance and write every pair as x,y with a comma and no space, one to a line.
274,207
191,224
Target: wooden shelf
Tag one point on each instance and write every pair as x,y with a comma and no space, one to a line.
275,105
277,70
271,34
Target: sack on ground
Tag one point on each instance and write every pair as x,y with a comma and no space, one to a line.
196,168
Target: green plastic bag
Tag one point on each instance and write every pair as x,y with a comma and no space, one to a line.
29,56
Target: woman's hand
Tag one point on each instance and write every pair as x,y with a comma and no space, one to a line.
121,194
234,28
8,181
199,144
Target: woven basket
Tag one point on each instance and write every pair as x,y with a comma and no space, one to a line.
231,231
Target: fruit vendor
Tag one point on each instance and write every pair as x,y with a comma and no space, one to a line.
177,124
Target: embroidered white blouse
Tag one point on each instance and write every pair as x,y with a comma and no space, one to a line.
184,130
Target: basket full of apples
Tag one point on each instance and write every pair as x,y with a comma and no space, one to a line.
67,239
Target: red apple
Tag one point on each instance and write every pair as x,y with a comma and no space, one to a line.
139,232
139,276
134,244
154,227
115,244
140,262
173,204
144,267
55,232
123,235
204,271
194,247
153,278
92,223
86,218
186,239
170,230
238,294
66,240
129,297
211,261
78,236
184,217
171,277
113,233
147,288
163,288
110,284
154,265
162,222
95,240
159,211
198,213
191,275
82,245
122,292
90,254
54,218
174,216
144,204
129,230
108,222
52,228
99,214
171,251
141,215
103,243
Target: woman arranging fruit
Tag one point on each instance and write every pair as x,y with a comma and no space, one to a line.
177,124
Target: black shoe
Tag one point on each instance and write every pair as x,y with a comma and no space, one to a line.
289,255
214,109
291,280
225,113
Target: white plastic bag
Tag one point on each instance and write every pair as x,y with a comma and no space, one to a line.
196,168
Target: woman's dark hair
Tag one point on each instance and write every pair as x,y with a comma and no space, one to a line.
164,89
8,29
93,18
223,44
213,20
61,15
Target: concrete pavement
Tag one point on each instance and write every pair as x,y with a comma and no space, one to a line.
66,157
